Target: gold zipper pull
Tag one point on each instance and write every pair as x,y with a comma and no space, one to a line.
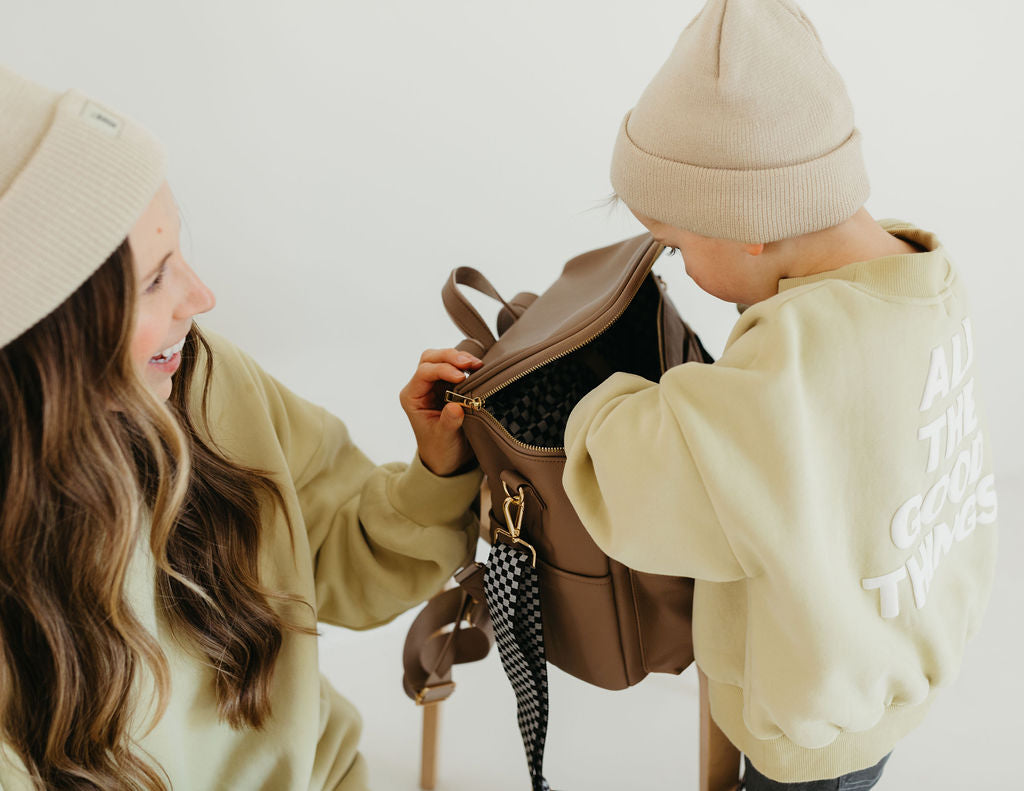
464,401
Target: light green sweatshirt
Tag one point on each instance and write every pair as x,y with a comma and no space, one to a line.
370,542
828,483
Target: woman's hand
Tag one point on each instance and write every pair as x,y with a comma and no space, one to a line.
438,426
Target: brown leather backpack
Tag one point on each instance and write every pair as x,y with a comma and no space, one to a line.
602,622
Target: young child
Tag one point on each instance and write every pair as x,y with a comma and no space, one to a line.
173,520
827,481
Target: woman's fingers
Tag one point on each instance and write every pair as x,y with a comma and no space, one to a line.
423,387
437,425
452,356
438,365
452,417
433,372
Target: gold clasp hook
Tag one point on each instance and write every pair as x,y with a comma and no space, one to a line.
519,501
514,526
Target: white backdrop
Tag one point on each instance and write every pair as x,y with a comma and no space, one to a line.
334,160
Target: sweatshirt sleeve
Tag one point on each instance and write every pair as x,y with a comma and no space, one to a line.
381,538
646,460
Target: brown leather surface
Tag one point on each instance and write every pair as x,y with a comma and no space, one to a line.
461,310
508,315
454,627
591,288
603,622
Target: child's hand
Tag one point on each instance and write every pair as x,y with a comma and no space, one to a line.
438,426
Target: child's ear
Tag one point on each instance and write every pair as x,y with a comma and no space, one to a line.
754,249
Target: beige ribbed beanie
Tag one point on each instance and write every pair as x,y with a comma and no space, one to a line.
74,178
746,132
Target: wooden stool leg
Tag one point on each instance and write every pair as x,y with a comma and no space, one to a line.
428,756
719,759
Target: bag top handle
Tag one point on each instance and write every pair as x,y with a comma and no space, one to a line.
462,312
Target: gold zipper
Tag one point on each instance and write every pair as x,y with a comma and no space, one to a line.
476,403
457,398
477,406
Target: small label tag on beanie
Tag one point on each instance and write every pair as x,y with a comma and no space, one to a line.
101,119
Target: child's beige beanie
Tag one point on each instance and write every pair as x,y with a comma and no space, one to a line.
746,133
74,178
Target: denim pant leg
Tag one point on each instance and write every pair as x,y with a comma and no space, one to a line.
860,780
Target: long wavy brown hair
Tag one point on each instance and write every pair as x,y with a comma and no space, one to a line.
89,458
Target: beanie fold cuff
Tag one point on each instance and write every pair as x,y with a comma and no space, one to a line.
748,206
91,177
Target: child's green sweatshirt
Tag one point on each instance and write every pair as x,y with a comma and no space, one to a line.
828,483
370,542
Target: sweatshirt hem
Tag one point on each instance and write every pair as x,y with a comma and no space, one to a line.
785,761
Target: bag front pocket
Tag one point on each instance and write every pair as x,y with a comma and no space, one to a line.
581,629
664,612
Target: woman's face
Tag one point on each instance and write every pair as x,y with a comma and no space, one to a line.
170,294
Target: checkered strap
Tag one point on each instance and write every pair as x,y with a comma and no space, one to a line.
513,598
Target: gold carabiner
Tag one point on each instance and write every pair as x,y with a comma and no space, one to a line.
514,526
518,500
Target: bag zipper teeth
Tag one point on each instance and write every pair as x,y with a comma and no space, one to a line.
505,431
476,403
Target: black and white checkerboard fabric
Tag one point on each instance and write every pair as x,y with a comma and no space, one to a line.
513,598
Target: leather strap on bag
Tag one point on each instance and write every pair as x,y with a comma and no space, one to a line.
462,312
466,317
516,307
431,647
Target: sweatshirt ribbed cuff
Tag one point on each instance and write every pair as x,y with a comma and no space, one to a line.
429,499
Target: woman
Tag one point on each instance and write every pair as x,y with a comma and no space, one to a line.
174,521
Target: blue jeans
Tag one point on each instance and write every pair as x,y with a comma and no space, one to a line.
861,780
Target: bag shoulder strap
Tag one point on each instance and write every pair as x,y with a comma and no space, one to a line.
454,627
